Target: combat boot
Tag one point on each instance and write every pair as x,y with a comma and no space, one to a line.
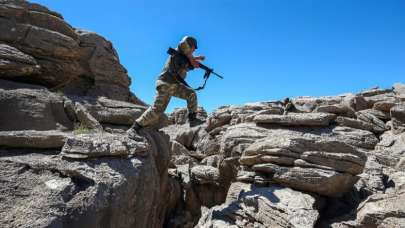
192,116
136,127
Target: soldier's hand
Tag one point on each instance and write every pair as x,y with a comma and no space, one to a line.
195,63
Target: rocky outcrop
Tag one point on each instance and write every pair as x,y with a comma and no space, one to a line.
252,206
39,46
338,150
40,190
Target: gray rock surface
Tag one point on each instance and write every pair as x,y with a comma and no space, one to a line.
252,206
296,119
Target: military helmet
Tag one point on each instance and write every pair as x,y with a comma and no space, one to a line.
186,43
191,41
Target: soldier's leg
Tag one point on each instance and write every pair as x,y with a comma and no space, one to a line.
186,93
152,114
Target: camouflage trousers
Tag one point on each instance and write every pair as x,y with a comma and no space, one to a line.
164,91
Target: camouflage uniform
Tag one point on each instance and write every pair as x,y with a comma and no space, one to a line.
168,86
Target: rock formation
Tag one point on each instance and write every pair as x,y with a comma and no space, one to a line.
66,160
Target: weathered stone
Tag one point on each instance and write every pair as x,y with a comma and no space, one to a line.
44,19
374,91
47,191
180,115
205,174
354,137
399,88
33,139
86,120
338,109
29,108
14,63
382,210
378,125
252,206
296,119
384,106
321,181
103,144
390,149
398,112
354,123
238,137
355,102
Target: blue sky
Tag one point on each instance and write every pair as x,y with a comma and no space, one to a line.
265,49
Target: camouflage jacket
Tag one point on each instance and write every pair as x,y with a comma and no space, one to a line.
175,65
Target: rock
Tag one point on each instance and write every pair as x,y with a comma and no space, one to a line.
180,115
398,113
218,119
373,179
238,137
213,160
33,139
181,155
205,174
368,117
390,149
399,88
287,157
182,134
208,145
355,137
353,123
296,119
108,111
46,191
396,181
382,210
86,120
28,108
252,206
377,113
109,75
384,106
25,14
338,109
374,91
355,102
103,144
14,63
321,181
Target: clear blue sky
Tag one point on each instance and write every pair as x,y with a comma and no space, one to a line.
266,49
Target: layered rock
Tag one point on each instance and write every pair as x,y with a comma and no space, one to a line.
39,46
251,206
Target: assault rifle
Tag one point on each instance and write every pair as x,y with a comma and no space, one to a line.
208,71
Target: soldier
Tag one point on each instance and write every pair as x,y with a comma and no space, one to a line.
169,84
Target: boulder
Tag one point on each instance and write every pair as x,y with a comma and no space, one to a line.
354,123
399,88
33,139
86,120
84,146
14,63
39,190
248,205
338,109
378,125
296,119
31,108
382,210
298,161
